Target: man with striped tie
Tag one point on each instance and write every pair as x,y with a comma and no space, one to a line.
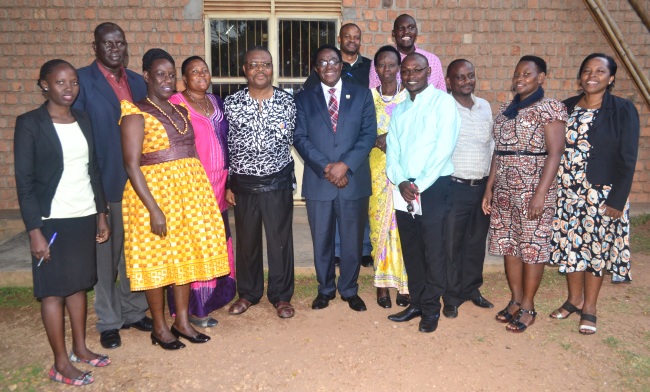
336,128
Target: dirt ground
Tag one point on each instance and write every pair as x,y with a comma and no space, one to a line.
339,349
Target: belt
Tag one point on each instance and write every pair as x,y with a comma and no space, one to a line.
520,153
477,182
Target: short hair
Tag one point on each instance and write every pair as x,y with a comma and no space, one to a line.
104,26
48,67
349,25
153,55
611,65
403,16
257,48
456,62
187,61
417,55
388,48
325,47
539,62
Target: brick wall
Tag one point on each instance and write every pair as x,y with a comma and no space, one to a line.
491,33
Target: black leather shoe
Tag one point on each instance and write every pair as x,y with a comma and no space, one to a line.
428,324
383,298
402,300
322,301
481,302
367,261
405,315
173,345
199,338
145,324
110,338
450,311
337,260
355,302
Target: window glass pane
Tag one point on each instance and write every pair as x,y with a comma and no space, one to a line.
229,41
223,90
298,39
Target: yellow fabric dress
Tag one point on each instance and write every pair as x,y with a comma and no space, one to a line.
386,246
194,248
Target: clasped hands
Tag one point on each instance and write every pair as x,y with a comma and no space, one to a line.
337,174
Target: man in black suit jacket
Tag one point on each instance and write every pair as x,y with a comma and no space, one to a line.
336,179
103,84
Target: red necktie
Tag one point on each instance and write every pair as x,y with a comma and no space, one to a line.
333,108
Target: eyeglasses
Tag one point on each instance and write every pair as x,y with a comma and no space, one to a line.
325,63
389,66
260,65
411,71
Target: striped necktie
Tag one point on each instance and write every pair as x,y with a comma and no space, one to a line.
333,108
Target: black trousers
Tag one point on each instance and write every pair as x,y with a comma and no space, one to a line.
274,210
424,247
469,226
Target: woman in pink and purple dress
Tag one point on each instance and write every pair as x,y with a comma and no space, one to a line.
210,133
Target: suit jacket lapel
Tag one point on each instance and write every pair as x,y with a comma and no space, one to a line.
321,105
103,87
48,130
86,130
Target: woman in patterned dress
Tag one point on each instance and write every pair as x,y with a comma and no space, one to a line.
520,193
591,230
386,247
174,233
210,136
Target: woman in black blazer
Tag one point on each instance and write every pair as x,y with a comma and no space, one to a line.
61,196
591,227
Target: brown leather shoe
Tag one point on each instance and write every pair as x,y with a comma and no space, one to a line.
285,309
240,306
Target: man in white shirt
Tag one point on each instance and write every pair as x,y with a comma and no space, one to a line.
471,160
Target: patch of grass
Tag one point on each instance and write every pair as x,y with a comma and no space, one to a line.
639,220
29,378
17,297
306,286
566,346
611,341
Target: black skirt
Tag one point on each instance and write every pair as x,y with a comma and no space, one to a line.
73,263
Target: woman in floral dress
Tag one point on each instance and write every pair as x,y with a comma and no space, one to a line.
591,227
521,191
386,247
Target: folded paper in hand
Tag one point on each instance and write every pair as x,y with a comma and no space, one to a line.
401,205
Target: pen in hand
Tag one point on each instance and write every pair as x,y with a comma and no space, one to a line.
48,247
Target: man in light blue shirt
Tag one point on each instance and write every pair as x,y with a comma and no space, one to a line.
421,139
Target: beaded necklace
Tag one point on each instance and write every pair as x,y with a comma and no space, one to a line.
169,118
390,98
207,104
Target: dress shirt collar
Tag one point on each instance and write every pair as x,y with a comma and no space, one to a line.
326,91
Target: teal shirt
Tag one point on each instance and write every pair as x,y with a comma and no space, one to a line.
421,138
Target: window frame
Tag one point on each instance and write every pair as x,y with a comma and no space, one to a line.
273,40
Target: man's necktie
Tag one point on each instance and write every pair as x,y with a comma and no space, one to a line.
333,108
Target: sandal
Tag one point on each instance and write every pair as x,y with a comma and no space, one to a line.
587,329
504,316
569,307
516,326
85,378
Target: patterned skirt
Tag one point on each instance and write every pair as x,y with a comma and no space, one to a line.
195,246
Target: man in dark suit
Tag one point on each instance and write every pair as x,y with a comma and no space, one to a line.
103,84
336,128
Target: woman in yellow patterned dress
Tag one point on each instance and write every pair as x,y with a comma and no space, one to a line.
173,230
386,248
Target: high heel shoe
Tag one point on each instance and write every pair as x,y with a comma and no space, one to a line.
175,345
402,300
383,298
199,338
